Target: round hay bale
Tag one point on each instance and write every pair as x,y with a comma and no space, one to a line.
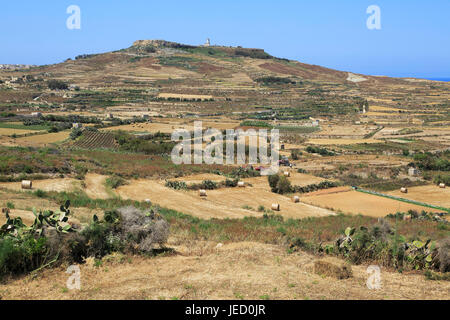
275,207
202,193
287,174
296,199
241,184
404,190
148,201
27,184
407,217
441,185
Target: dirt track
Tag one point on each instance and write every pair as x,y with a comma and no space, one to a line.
95,186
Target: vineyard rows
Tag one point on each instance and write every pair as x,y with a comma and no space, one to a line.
96,140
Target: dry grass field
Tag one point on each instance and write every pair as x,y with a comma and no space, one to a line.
199,270
39,140
430,194
55,184
355,202
9,132
220,203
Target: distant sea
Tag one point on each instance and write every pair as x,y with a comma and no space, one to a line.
439,79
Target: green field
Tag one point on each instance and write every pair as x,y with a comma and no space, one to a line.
8,125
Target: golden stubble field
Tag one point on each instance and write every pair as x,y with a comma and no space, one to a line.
355,202
430,194
38,140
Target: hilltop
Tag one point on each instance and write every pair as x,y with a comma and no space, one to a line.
234,79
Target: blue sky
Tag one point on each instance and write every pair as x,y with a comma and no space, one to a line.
414,39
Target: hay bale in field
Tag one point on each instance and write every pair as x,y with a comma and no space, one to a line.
287,174
404,190
296,199
27,184
275,207
148,201
441,185
202,193
333,267
407,217
241,184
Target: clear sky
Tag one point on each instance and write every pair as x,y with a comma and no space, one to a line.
414,39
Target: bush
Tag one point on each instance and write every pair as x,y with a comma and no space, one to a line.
279,184
442,178
76,132
115,181
57,85
142,230
295,154
314,187
273,182
21,255
443,255
231,183
177,185
321,151
208,185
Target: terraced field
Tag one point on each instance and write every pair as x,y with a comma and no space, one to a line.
96,140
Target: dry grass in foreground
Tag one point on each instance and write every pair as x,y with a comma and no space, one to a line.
199,270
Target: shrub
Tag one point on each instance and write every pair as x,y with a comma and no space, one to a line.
209,185
21,255
273,181
177,185
443,255
115,181
284,185
76,132
57,85
142,230
314,187
295,154
231,183
321,151
279,184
